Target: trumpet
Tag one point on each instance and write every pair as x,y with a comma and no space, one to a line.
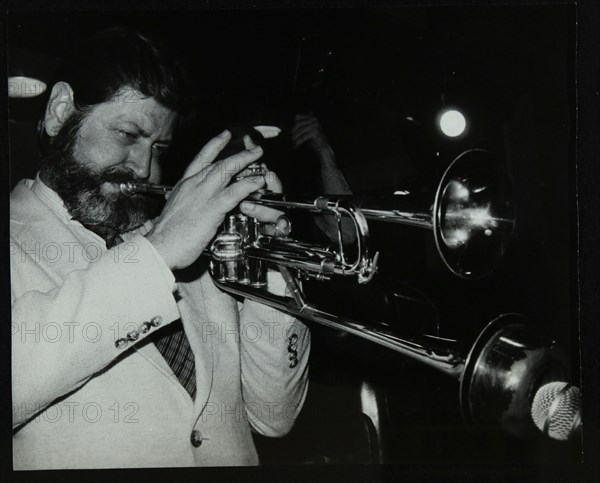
471,217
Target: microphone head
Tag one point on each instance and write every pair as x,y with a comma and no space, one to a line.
556,410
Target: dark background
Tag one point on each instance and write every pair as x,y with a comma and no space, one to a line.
510,69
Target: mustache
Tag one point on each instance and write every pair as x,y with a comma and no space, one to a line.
118,174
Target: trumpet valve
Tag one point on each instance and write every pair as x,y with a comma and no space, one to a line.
283,227
228,253
254,169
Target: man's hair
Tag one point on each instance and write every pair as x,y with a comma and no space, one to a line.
112,60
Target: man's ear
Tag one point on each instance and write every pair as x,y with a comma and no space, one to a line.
60,106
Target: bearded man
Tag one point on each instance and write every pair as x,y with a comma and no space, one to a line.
122,355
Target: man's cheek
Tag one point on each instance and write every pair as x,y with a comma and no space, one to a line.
101,155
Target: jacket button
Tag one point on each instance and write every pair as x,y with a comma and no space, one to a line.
133,335
121,343
156,321
196,438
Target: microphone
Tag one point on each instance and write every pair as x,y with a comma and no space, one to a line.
556,410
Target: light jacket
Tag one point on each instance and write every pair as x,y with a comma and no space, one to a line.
89,391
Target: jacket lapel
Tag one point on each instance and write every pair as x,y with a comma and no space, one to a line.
198,305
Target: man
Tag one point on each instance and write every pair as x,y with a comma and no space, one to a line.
125,354
307,131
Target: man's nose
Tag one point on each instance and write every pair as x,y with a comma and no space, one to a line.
140,162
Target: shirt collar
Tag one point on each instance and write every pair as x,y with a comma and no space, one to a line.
50,198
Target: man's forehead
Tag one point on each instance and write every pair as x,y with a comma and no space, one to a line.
147,113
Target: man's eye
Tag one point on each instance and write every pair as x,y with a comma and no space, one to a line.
127,134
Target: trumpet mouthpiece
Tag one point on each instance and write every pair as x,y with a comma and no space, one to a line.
127,189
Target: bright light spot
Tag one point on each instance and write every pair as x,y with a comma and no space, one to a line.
20,87
401,192
453,123
480,216
458,238
268,131
459,191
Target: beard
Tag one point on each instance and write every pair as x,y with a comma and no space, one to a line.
80,188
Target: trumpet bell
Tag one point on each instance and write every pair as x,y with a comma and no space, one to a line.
473,215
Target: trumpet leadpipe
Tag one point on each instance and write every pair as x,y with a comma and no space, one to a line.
131,188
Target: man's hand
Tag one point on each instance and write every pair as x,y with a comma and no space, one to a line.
307,129
200,201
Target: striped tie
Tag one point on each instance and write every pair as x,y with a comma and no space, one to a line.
174,346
